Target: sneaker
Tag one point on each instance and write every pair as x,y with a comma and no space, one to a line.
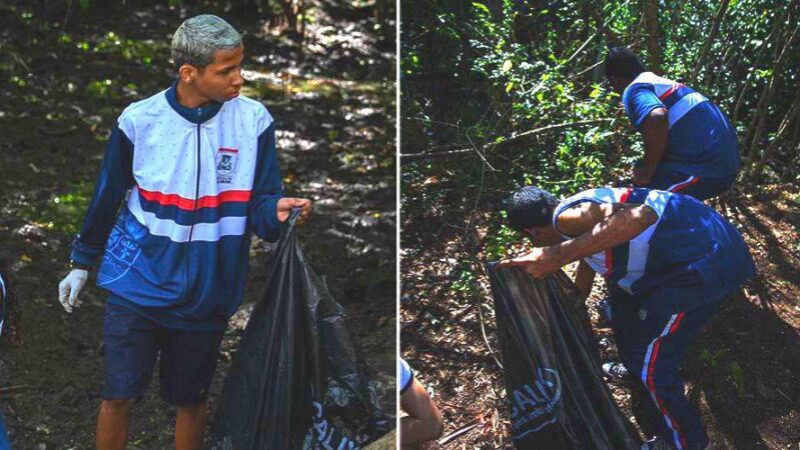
657,444
616,372
604,311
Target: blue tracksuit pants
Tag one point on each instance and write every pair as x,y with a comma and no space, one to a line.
674,177
652,346
4,442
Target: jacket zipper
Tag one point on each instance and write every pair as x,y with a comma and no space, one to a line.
194,214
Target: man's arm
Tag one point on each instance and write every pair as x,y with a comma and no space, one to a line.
116,177
424,421
655,131
623,224
267,189
597,226
584,279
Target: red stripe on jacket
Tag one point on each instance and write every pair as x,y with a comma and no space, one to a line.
670,91
189,204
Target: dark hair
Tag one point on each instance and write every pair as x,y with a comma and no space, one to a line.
621,61
530,207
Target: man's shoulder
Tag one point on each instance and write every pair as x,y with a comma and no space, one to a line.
255,109
155,104
249,105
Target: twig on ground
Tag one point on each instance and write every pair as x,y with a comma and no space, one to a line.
66,17
486,339
19,61
461,431
784,395
13,388
471,252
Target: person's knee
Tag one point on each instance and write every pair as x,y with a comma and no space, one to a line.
118,404
434,426
437,428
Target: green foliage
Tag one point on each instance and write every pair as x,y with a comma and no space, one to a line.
497,243
61,213
111,43
478,74
713,359
99,88
466,282
738,377
84,4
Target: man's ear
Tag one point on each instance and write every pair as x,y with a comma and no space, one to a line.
617,83
532,233
187,73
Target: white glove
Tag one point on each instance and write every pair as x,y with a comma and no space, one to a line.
70,287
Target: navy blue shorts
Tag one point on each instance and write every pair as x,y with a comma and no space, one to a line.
187,359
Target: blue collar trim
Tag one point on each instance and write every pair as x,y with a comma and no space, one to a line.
194,115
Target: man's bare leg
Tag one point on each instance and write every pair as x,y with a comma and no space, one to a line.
112,424
190,427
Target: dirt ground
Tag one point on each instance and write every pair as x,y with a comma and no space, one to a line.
333,100
741,372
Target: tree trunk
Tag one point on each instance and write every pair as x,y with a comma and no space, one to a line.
723,7
786,124
291,11
761,52
756,127
651,26
611,37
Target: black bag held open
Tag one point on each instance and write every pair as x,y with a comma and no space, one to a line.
296,381
553,378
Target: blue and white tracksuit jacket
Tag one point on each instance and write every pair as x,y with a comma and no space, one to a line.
5,444
3,303
195,183
666,284
691,249
702,147
406,376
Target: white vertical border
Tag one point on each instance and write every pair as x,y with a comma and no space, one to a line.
398,280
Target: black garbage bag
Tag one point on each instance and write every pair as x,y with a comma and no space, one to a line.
296,381
552,374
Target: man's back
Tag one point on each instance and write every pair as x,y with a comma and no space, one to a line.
690,247
700,135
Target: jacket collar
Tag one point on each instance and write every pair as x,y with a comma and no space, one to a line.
193,115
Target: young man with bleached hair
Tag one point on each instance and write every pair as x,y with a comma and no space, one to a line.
195,172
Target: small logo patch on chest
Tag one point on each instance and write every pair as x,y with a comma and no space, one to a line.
226,164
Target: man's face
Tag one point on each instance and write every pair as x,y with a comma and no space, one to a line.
221,80
618,84
542,236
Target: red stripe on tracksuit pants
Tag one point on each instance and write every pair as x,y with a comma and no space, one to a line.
652,345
